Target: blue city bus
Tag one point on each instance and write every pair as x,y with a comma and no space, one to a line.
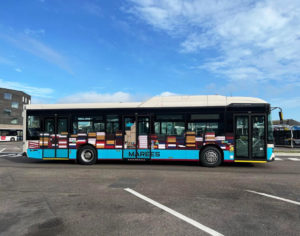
207,129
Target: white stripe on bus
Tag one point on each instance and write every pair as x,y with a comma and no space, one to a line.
175,213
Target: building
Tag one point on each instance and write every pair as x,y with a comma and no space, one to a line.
289,122
11,108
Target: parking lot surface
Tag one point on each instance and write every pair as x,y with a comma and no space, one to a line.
116,198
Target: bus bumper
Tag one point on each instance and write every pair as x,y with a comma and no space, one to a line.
272,158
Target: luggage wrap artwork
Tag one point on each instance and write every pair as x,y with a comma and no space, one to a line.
103,140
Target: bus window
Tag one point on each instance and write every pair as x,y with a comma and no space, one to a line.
202,127
33,127
270,130
49,126
112,124
84,126
169,128
198,128
99,126
143,125
212,127
62,125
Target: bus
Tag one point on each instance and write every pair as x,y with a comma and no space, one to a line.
287,135
209,129
7,135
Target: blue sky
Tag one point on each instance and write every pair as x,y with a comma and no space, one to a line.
64,51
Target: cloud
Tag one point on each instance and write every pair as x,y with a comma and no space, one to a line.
18,70
94,97
257,40
31,90
36,47
286,103
167,94
31,32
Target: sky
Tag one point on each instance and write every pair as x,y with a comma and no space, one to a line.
71,51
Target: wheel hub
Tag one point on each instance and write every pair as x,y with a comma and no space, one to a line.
211,157
87,155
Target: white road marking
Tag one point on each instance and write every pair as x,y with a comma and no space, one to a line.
175,213
2,149
278,159
294,159
11,155
275,197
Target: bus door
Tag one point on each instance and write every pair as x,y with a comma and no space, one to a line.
55,137
250,137
129,141
136,137
143,138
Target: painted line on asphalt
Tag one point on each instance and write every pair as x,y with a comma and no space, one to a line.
294,159
2,149
278,159
175,213
11,155
275,197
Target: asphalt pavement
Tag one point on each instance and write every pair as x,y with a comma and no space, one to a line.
116,198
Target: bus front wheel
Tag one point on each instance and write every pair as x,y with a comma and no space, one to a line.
210,157
87,156
12,139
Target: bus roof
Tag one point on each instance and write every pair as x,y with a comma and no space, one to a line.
158,102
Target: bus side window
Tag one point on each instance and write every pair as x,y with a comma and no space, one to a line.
62,125
33,127
49,126
112,124
197,127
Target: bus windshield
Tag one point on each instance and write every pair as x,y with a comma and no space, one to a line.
270,129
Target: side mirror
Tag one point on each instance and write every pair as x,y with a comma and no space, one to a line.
280,117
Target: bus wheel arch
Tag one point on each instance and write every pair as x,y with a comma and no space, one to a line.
87,154
12,139
211,152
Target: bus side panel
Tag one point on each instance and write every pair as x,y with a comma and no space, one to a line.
175,155
270,153
228,156
72,154
62,153
35,153
49,153
113,154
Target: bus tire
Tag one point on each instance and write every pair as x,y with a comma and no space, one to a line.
210,157
12,139
87,155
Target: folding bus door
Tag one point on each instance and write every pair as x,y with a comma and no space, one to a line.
143,137
62,148
48,138
242,130
258,137
54,140
250,137
129,142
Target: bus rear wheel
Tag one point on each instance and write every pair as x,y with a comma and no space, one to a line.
87,156
210,157
12,139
